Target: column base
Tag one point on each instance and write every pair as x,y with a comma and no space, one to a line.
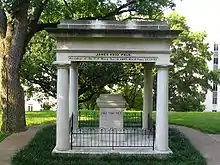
57,149
163,152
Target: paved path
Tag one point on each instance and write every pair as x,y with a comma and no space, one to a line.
207,144
14,143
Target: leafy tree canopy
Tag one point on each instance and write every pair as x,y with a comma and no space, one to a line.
190,77
39,74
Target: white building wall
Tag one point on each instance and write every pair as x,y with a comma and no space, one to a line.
209,106
33,103
208,102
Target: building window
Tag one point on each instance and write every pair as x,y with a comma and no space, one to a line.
214,97
30,107
215,60
215,47
216,54
215,87
214,100
215,67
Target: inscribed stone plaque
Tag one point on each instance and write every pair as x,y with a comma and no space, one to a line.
111,118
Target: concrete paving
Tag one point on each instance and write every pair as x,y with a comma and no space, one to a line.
207,144
13,143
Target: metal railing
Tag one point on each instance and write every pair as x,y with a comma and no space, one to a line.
113,138
89,134
91,119
71,129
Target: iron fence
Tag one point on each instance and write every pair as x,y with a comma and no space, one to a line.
91,119
71,123
71,129
113,138
89,134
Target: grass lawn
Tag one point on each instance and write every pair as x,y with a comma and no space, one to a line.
38,152
40,118
205,121
2,136
34,118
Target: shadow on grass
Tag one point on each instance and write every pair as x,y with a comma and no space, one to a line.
38,152
43,122
40,114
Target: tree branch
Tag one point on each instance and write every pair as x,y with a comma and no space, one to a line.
33,24
69,11
117,11
112,13
124,11
37,12
88,98
42,26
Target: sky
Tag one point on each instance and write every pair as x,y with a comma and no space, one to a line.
202,15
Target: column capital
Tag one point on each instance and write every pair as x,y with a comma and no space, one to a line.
62,64
163,66
74,64
148,65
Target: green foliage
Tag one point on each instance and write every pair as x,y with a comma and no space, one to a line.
132,88
3,136
189,76
46,106
57,10
37,71
133,95
207,122
93,77
152,9
90,118
27,17
37,65
38,152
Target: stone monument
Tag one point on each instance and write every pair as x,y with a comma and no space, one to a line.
111,116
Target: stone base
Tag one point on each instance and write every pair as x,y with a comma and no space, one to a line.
109,150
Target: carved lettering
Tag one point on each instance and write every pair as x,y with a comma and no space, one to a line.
113,54
113,58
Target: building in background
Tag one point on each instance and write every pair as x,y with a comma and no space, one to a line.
36,103
212,102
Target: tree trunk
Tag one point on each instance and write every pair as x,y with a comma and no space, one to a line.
12,94
12,46
13,118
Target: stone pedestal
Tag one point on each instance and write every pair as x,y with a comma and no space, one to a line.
111,117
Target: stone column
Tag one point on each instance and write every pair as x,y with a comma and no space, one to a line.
62,132
161,143
73,94
148,99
